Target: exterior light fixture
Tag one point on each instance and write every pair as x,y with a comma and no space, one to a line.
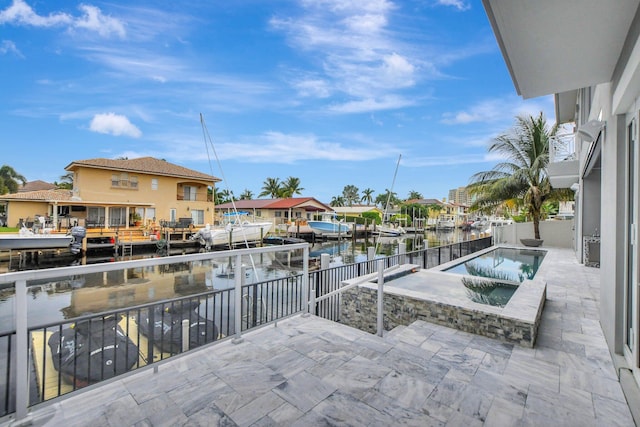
590,130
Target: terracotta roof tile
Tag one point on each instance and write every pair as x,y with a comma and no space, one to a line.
35,186
148,165
39,195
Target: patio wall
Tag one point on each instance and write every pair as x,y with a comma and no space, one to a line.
556,234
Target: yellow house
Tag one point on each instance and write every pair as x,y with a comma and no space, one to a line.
111,193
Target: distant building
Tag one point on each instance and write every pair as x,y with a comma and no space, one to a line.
460,195
36,186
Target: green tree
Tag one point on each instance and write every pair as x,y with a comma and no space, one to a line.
290,187
367,196
523,173
387,199
246,194
271,187
351,194
66,181
413,195
337,201
10,180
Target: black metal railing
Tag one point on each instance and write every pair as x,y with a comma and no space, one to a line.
71,354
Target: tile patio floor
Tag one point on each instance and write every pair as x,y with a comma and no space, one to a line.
307,371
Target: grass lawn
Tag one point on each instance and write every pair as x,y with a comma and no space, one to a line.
9,229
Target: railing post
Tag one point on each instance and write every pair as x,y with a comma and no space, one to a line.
185,335
402,252
380,297
238,300
22,351
309,305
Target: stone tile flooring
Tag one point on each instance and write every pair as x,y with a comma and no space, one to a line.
307,371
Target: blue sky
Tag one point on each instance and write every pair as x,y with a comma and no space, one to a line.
328,91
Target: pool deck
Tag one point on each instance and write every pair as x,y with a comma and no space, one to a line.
307,371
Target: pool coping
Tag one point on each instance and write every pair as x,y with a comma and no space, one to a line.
517,322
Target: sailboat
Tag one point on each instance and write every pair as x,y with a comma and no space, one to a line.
237,229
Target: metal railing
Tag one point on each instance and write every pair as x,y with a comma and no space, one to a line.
562,148
105,344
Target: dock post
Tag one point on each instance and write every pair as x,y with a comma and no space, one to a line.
185,335
22,351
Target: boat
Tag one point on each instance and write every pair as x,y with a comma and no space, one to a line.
445,224
27,239
236,230
165,327
92,350
390,230
328,225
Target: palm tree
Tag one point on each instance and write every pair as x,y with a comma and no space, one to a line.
290,187
337,201
523,173
66,181
246,194
367,196
350,194
413,195
271,187
9,180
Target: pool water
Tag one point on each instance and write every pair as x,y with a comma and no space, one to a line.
502,264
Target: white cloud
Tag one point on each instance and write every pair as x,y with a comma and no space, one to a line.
114,124
457,159
458,4
500,110
92,19
7,46
371,104
356,51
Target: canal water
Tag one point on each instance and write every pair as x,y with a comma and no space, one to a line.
70,297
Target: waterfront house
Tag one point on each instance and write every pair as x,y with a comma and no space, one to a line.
280,211
110,193
356,211
586,54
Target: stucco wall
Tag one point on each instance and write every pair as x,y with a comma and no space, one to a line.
556,233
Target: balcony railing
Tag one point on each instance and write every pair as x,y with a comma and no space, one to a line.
201,318
562,148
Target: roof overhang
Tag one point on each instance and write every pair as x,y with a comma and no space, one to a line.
555,47
565,103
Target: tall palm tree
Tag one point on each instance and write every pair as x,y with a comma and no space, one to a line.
66,181
523,173
9,180
271,187
351,195
290,187
246,194
367,196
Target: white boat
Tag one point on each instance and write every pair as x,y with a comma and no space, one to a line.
236,230
390,230
27,239
445,224
328,225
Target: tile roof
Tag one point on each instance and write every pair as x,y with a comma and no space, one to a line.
36,185
291,202
39,195
148,165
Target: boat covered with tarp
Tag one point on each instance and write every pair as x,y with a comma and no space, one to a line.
92,350
164,325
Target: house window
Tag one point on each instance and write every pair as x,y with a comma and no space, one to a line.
154,183
278,214
117,216
123,180
189,193
151,213
115,180
197,216
134,182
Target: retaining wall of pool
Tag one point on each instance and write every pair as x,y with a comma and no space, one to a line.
425,295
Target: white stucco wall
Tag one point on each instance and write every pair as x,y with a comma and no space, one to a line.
556,234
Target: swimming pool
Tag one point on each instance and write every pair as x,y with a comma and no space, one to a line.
502,264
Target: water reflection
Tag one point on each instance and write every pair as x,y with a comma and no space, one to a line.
66,298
